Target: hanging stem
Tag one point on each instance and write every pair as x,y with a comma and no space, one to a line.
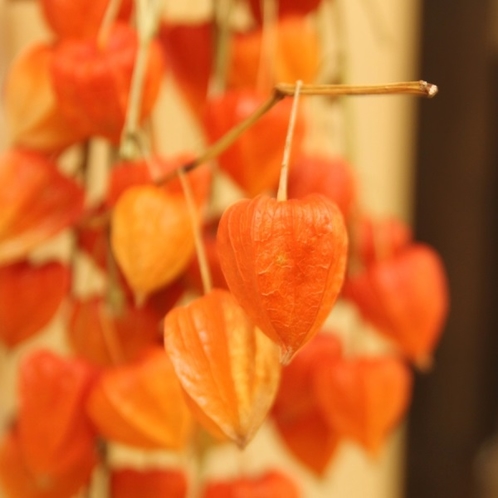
223,14
147,20
284,172
110,15
266,76
207,284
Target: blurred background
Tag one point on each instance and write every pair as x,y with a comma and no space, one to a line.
432,162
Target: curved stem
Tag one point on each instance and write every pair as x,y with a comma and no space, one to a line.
284,172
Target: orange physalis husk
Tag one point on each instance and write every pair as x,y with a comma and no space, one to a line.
310,439
29,297
291,61
330,176
406,298
285,8
151,237
189,50
381,239
296,412
32,114
272,484
155,168
228,369
92,81
36,202
92,325
79,18
148,483
363,398
18,481
55,434
284,262
254,160
142,404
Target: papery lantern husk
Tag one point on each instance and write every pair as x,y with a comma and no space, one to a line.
310,439
228,369
33,116
29,297
55,435
364,398
330,176
106,338
151,237
379,239
36,202
296,412
406,298
148,483
18,481
284,262
290,61
254,160
79,18
271,484
92,81
142,404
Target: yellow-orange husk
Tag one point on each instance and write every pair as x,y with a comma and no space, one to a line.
151,237
226,366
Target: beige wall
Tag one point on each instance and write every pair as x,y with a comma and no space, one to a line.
380,39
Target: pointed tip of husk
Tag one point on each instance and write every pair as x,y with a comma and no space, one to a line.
286,355
140,299
424,363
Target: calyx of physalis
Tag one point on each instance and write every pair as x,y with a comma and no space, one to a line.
29,297
228,369
92,80
151,237
363,398
284,261
36,202
406,297
141,404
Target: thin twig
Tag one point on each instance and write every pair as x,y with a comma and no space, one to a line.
207,284
281,91
284,172
266,73
110,15
222,55
419,88
147,19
